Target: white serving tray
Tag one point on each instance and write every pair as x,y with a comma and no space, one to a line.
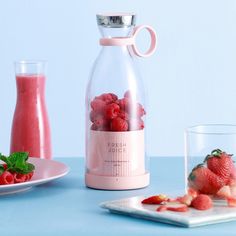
133,207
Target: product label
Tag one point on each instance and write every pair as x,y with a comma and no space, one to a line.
116,153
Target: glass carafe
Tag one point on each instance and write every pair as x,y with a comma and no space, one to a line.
30,126
115,109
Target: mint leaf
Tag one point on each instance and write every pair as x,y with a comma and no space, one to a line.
27,168
1,169
4,158
18,155
20,161
31,167
17,162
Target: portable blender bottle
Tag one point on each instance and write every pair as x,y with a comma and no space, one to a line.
115,108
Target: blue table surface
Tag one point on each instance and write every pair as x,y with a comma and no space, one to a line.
66,207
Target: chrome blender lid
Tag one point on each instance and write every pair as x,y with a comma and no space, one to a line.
116,20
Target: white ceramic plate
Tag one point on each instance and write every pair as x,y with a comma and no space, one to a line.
133,207
45,171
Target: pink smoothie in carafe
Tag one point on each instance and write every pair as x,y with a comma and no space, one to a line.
30,126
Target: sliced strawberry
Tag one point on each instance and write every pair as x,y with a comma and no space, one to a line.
224,192
182,208
172,200
204,180
155,199
231,202
174,207
161,208
232,186
186,199
232,182
192,192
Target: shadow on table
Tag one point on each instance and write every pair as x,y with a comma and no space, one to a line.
56,187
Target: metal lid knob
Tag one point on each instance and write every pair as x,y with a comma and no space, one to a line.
116,20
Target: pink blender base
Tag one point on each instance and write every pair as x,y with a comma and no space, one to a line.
117,183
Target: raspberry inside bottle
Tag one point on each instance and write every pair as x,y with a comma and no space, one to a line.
115,109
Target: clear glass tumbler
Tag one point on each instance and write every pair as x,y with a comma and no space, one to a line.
209,154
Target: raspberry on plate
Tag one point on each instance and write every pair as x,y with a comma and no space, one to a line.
6,178
118,124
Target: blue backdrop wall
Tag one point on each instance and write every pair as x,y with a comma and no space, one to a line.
191,79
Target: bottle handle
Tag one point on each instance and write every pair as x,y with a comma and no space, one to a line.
130,41
153,43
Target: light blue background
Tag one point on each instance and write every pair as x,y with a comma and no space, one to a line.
190,80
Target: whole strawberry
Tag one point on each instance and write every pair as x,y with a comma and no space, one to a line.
221,164
204,180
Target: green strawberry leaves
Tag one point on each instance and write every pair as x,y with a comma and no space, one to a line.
192,176
17,162
216,152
